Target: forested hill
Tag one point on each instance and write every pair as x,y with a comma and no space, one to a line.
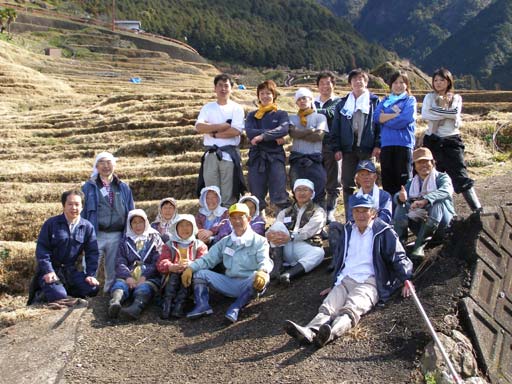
293,33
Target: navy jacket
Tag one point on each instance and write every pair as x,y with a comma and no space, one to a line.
342,129
392,267
92,196
127,257
58,248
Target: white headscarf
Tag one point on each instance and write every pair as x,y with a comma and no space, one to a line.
159,218
203,207
255,201
147,228
99,156
174,232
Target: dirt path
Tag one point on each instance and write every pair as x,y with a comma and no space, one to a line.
88,347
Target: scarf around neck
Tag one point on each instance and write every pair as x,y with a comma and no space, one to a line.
362,103
428,185
303,115
375,194
262,110
392,98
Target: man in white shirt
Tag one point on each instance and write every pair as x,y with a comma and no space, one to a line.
221,122
371,265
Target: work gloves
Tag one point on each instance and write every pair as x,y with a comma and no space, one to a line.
186,277
261,279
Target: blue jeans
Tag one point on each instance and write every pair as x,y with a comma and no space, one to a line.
143,289
228,286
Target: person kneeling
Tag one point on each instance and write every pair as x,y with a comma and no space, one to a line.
244,254
136,273
371,265
177,253
425,203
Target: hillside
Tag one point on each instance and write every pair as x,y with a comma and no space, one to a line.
264,34
482,46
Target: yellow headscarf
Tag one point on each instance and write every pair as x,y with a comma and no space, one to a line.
262,110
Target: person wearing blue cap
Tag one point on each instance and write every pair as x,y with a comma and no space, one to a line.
371,265
245,256
366,178
295,237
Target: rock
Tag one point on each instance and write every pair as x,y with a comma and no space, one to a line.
460,351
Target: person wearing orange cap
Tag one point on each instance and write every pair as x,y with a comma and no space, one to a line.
424,204
244,254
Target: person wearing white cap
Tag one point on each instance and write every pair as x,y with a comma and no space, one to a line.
371,266
307,129
294,237
107,203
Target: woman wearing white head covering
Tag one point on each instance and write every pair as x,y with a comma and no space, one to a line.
107,203
211,214
177,253
136,272
295,236
167,211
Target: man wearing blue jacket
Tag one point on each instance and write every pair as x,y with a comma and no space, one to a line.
371,265
356,135
61,242
107,203
244,254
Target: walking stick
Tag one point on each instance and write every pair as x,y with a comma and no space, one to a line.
454,373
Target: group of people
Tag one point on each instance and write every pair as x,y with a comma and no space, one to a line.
227,245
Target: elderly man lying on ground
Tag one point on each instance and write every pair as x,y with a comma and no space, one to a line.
371,265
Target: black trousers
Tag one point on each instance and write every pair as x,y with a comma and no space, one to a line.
448,153
396,167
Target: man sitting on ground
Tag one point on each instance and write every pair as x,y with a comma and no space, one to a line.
371,265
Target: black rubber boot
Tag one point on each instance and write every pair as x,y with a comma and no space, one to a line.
170,292
472,200
295,271
276,254
178,310
139,303
240,302
115,304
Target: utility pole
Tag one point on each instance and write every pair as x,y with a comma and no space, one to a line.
113,15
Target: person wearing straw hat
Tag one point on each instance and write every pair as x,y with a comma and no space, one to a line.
371,266
107,203
424,204
307,129
245,256
295,236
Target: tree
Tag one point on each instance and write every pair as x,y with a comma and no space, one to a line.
7,17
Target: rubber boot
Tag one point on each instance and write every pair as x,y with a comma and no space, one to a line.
472,200
170,291
327,333
139,303
401,228
276,254
178,310
201,297
299,333
114,306
240,302
295,271
427,229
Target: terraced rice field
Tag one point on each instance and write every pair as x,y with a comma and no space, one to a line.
57,113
